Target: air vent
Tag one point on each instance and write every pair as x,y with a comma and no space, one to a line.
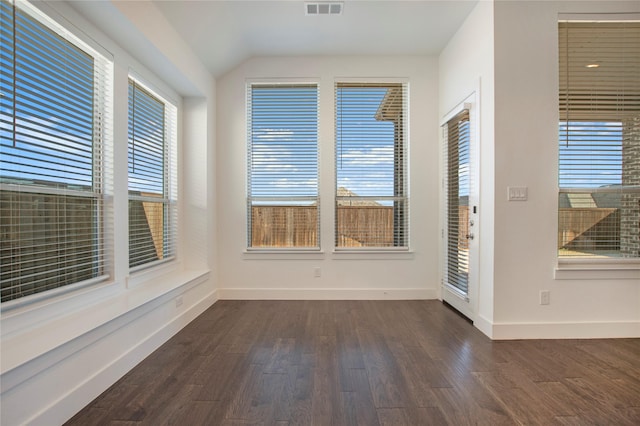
323,8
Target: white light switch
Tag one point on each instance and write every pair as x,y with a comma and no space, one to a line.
517,193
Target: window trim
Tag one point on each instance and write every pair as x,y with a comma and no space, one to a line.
373,252
102,157
251,252
595,268
170,199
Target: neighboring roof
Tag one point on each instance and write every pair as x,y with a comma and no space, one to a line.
391,106
603,200
344,192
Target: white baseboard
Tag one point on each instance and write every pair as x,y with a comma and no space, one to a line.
328,294
577,330
484,325
77,398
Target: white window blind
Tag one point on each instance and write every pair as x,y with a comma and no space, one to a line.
282,201
372,203
55,156
599,139
152,176
457,185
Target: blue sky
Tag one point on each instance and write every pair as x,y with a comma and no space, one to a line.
284,141
146,142
364,146
590,154
52,103
53,107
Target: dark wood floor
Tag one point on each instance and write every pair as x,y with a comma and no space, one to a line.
368,363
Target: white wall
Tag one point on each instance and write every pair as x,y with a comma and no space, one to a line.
526,117
344,276
466,67
59,353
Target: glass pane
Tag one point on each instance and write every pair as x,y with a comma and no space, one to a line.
146,232
146,142
599,201
458,184
49,241
284,225
47,133
284,141
368,223
589,224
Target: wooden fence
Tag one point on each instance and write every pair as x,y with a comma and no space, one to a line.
284,226
365,226
589,228
45,241
297,226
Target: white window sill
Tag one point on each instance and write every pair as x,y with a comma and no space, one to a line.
283,254
372,254
153,271
597,269
341,254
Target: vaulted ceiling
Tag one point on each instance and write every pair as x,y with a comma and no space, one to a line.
225,33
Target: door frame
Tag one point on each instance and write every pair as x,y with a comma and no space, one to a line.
466,304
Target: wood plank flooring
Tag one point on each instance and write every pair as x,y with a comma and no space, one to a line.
368,363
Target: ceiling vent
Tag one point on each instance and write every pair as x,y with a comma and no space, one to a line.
323,8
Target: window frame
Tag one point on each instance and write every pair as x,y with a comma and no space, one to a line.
169,199
101,191
292,251
345,252
591,268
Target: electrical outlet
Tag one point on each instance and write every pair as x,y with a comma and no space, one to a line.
316,272
545,297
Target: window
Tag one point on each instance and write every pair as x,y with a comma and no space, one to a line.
283,201
458,183
599,135
152,177
54,156
371,165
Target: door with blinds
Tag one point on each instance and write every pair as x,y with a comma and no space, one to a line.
461,211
